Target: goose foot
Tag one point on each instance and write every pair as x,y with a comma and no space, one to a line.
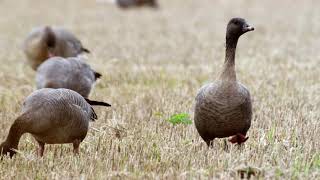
238,138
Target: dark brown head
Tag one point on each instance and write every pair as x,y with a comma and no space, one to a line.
236,27
50,40
5,149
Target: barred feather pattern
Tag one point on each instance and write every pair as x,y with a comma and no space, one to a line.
222,109
57,115
70,73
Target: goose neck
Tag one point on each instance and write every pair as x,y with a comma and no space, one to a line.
15,133
229,64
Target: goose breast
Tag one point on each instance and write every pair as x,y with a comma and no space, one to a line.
222,111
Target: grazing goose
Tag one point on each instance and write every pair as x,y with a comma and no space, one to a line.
223,108
52,116
45,42
133,3
70,73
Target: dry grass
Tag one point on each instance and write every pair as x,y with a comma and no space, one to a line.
153,63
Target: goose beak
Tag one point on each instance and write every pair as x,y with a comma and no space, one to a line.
248,28
85,50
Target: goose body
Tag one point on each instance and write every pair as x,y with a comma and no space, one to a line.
70,73
136,3
132,3
223,108
64,115
45,42
51,116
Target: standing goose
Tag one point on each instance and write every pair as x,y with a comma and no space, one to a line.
70,73
137,3
52,116
133,3
45,42
223,108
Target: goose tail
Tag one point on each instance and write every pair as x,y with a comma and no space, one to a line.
85,50
97,75
97,103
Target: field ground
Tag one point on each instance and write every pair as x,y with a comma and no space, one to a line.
153,63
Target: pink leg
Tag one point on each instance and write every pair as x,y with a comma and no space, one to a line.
76,144
238,138
40,148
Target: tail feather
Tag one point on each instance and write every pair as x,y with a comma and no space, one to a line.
97,75
93,115
85,50
97,103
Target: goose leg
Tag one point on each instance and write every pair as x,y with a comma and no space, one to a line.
225,145
76,144
209,143
40,148
238,138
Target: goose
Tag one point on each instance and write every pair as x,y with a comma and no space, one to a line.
52,116
45,42
132,3
70,73
223,108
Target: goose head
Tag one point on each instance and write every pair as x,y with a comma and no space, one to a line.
236,27
50,41
6,149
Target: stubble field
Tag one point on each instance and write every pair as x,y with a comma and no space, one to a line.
153,63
